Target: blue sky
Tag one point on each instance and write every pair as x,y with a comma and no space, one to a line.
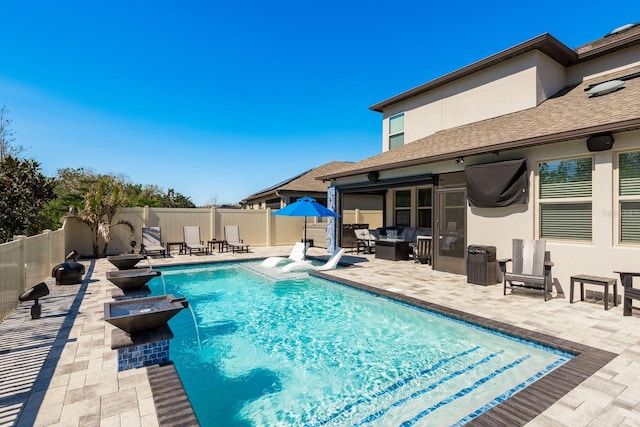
219,100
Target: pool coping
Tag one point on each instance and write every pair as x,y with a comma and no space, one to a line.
518,409
173,407
534,399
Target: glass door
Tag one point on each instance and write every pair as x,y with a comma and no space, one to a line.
450,237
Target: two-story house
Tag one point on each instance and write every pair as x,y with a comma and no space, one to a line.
538,141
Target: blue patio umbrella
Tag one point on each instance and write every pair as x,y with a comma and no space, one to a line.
306,206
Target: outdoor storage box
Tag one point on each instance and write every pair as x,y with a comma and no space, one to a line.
481,265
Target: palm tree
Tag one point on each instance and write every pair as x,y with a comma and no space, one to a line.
101,203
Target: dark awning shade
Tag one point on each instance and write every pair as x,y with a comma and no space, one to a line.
383,185
495,185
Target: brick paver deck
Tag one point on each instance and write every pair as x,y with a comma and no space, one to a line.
60,369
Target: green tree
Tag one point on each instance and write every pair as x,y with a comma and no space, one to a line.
23,192
153,196
172,199
137,195
101,203
71,185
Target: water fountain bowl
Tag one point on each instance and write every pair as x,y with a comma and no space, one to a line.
143,314
126,261
131,280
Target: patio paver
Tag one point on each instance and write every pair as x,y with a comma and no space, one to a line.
60,369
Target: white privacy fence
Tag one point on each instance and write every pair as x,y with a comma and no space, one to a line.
258,227
27,261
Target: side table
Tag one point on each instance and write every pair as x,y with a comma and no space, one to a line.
221,245
179,244
595,280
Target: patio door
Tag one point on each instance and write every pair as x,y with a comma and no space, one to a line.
450,240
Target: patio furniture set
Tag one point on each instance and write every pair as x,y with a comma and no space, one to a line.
152,243
532,270
531,264
395,243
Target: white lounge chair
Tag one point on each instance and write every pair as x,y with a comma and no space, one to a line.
297,254
306,265
151,241
192,240
233,240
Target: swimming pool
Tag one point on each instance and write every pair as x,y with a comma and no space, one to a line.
306,351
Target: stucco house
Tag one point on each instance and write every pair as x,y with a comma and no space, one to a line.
286,192
537,141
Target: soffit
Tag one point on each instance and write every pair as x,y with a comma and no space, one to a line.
569,115
545,43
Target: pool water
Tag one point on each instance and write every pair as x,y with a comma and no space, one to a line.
310,352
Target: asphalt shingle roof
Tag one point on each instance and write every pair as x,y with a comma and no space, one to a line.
306,181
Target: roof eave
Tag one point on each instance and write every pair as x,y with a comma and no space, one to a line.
623,126
546,43
609,48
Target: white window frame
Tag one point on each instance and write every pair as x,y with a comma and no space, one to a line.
619,199
539,201
398,132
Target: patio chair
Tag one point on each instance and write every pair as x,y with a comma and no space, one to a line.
531,266
152,242
422,250
233,240
297,254
365,240
192,240
331,263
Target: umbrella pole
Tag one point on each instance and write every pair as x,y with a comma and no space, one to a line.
304,242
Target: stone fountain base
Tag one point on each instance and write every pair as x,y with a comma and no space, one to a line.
142,349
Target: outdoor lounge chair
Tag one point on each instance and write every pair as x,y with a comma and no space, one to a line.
531,266
152,242
192,240
422,250
233,240
297,254
331,263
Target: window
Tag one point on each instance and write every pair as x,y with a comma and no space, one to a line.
403,208
565,197
629,196
396,131
424,207
273,203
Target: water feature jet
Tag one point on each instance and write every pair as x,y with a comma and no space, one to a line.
130,280
125,261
